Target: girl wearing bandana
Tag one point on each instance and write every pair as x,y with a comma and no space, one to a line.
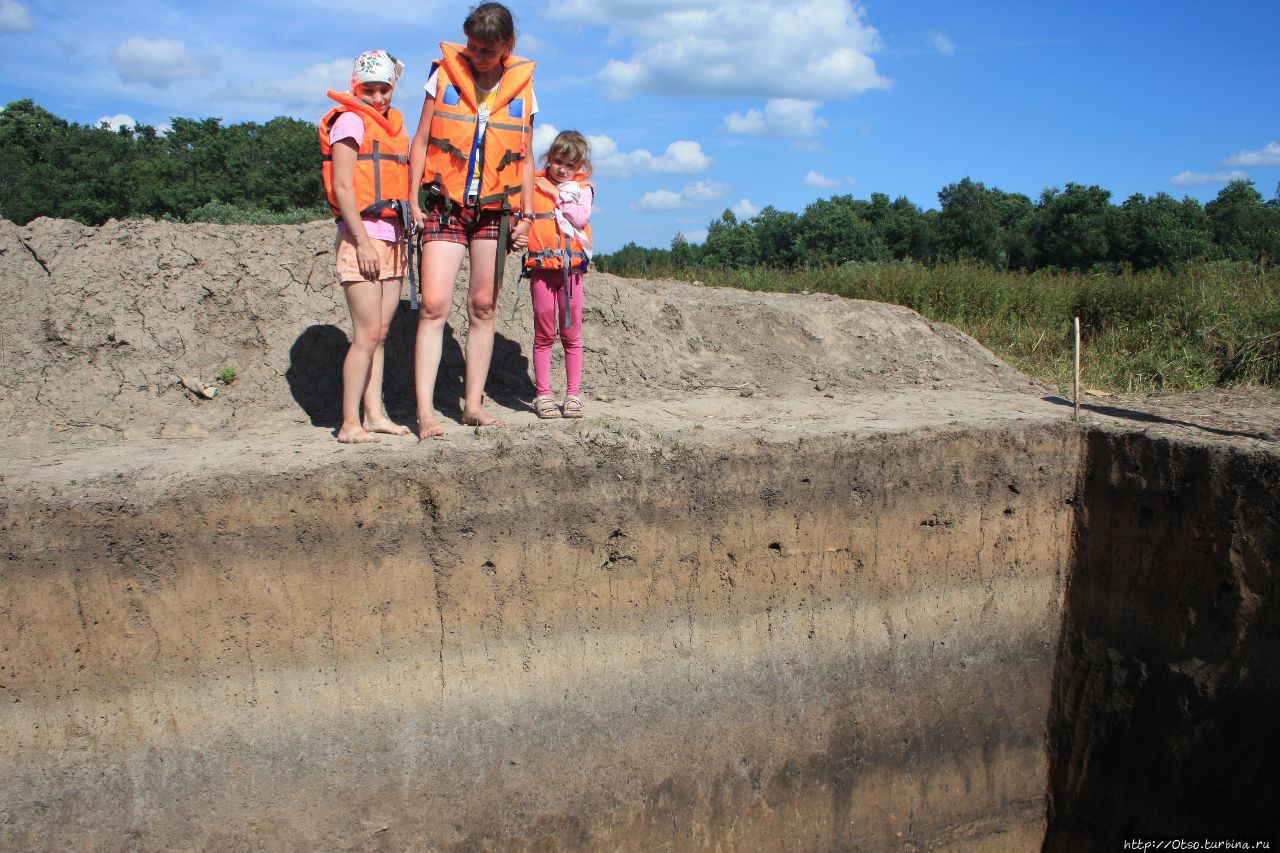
365,156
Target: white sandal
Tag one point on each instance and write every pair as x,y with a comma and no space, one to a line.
546,407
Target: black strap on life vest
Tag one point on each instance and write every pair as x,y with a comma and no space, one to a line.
436,194
504,234
509,158
448,147
410,236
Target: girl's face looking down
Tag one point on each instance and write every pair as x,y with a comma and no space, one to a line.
376,95
560,170
487,56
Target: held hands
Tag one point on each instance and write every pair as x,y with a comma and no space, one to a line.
520,235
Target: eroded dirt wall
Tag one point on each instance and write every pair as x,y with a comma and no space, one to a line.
105,323
815,645
1167,690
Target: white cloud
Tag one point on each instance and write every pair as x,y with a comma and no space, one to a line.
733,48
543,136
681,157
527,44
659,200
787,117
1268,156
117,121
158,61
689,196
306,88
697,235
814,179
942,43
703,191
1191,179
744,209
14,17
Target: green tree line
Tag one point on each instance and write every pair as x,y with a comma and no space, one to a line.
199,170
202,170
1076,228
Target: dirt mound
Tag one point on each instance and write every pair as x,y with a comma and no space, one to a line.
104,323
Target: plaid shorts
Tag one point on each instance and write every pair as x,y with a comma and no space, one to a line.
463,227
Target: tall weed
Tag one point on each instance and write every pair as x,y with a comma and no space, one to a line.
1157,330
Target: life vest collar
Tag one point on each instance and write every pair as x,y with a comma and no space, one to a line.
579,178
516,74
392,122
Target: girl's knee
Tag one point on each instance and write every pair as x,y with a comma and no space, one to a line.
434,311
482,308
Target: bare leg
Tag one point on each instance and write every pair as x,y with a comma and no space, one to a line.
364,300
375,414
482,301
440,262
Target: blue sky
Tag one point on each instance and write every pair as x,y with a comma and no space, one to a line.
694,106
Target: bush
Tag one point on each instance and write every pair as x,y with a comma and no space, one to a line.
220,213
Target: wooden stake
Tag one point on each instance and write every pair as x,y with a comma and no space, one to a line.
1077,384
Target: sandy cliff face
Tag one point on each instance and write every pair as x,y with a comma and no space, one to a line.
105,321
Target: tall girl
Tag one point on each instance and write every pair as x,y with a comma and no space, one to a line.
364,153
469,151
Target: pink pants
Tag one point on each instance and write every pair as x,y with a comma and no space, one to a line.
547,289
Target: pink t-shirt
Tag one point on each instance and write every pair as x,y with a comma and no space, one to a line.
349,125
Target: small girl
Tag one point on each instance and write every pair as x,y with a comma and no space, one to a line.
364,154
469,152
559,252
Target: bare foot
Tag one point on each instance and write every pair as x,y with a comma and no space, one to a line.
356,435
481,418
385,425
429,428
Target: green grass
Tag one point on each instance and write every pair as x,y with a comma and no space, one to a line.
220,213
1213,324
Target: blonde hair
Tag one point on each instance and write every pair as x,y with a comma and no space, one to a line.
571,147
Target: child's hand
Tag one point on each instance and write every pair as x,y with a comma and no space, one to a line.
520,236
545,184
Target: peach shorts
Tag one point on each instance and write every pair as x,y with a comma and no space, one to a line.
390,259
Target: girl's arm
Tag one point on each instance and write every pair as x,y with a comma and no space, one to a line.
579,212
520,234
344,190
418,155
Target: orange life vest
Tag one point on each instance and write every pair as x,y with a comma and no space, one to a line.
549,247
382,163
451,142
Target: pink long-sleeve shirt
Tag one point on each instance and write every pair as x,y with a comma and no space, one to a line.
579,212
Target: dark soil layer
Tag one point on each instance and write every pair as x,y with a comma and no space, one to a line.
1167,685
